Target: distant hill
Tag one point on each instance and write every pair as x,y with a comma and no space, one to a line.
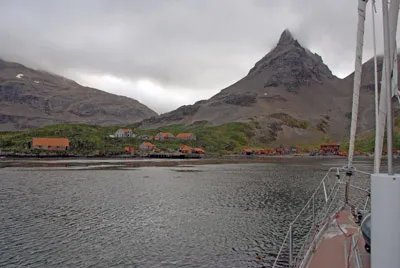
290,95
32,98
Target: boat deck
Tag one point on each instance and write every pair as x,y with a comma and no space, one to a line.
333,249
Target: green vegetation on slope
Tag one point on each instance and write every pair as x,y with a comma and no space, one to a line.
365,142
232,137
217,139
290,121
89,139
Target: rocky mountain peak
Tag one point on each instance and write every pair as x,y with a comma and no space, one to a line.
286,38
290,65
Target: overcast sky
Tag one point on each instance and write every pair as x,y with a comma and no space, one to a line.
166,53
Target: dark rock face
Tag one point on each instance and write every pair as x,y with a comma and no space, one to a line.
244,99
290,65
13,93
7,119
273,98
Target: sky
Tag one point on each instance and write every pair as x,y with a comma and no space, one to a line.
168,53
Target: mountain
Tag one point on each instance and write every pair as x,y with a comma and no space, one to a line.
32,98
366,119
290,95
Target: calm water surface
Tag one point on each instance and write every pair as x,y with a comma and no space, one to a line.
185,216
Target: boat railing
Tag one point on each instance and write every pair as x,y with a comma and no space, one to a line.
308,227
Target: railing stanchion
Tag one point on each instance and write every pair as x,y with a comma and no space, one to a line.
291,245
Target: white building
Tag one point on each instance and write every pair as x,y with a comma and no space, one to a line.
124,132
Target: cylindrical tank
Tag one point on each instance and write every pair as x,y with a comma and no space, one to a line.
366,232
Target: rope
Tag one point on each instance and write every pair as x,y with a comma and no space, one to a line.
344,233
350,244
358,201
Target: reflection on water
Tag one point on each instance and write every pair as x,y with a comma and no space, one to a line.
215,215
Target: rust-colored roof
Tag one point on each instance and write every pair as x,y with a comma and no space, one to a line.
125,129
185,147
166,134
184,135
199,150
50,142
148,144
129,149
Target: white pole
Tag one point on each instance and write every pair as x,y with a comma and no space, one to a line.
377,155
357,77
388,56
383,102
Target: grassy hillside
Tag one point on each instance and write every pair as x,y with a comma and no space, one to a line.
365,142
232,137
89,139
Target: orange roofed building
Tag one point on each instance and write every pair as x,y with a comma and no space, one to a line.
198,151
185,149
189,150
147,146
186,136
163,136
57,144
329,148
129,149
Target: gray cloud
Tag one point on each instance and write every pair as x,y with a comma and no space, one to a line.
189,49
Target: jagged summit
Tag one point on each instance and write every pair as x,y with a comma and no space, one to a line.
286,38
290,65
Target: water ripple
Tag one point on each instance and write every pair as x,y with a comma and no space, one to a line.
194,216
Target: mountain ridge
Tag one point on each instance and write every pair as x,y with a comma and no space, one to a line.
32,98
290,85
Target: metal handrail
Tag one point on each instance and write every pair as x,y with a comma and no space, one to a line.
305,259
315,191
295,258
281,248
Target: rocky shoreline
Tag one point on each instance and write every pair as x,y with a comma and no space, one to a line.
85,163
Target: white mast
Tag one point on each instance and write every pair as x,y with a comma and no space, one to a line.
385,188
390,29
383,103
357,77
377,153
